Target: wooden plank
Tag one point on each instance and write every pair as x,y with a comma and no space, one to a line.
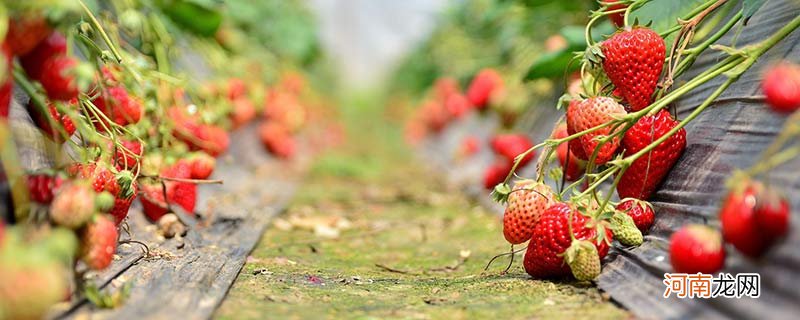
190,276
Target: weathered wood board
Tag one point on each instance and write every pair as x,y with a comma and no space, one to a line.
729,135
189,277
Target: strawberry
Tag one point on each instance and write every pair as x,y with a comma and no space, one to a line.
434,115
572,166
120,185
277,139
633,59
25,32
551,238
202,165
618,19
99,242
583,260
73,205
236,89
641,212
646,173
625,230
58,79
128,156
209,138
153,204
457,105
63,121
33,62
741,225
772,214
696,248
509,146
184,194
119,106
286,109
575,146
526,204
243,112
495,174
6,80
781,85
41,187
590,113
485,83
444,87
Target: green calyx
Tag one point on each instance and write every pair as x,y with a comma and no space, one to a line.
125,181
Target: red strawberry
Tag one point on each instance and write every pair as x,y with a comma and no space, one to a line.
738,221
153,204
781,85
202,165
119,106
63,121
646,173
641,212
120,185
591,113
633,59
575,146
618,19
457,105
73,205
740,224
184,194
236,88
33,62
277,139
434,115
696,248
243,112
25,32
526,204
485,83
509,146
216,140
6,80
495,174
41,187
57,78
444,87
551,238
130,155
575,167
99,242
772,214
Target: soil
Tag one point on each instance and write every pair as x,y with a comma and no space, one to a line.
373,233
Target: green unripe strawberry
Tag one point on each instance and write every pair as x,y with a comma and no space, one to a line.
104,201
583,259
625,230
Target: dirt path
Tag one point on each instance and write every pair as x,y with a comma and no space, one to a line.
372,234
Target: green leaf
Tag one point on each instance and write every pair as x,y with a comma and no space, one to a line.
749,7
554,64
662,15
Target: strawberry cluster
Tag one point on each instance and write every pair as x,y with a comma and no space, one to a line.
119,126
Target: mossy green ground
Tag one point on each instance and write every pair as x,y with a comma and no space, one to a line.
413,249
